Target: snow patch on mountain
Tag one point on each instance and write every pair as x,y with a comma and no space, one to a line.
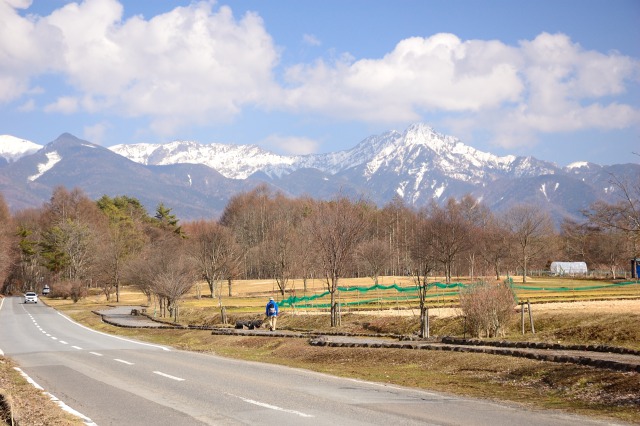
13,148
578,165
52,159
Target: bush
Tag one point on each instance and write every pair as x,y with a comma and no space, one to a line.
75,290
488,308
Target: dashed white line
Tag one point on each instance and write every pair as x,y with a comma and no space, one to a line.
77,347
63,342
54,338
95,353
169,376
271,407
123,361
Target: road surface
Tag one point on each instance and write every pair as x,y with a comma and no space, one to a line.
116,381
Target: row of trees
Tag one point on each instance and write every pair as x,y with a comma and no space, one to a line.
262,234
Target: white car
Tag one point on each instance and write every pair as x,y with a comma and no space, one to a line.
30,297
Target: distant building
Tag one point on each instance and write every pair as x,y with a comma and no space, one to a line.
569,268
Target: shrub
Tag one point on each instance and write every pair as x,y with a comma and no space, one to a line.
75,290
488,308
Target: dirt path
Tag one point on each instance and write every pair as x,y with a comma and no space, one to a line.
597,306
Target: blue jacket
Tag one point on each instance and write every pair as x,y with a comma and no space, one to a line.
272,308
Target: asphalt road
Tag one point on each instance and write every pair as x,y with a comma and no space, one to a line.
116,381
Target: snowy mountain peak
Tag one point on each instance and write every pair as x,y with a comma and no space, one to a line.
424,135
232,161
12,148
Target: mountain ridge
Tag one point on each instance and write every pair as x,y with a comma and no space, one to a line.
417,165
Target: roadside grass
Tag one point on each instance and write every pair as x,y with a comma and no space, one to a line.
533,384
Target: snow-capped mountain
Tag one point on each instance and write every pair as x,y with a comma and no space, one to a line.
396,148
417,165
12,148
232,161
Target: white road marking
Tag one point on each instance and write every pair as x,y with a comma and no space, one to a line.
87,421
123,361
77,347
54,338
269,406
110,335
169,376
63,342
95,353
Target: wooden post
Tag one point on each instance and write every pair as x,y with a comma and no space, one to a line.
223,313
522,316
426,319
533,330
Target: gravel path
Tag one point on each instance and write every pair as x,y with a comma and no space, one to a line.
121,316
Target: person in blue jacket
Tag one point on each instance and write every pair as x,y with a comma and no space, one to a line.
272,313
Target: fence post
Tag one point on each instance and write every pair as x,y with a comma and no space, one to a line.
426,318
522,316
533,330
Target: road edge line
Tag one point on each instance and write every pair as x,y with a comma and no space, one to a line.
87,421
164,348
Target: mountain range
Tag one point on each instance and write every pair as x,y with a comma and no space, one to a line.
197,180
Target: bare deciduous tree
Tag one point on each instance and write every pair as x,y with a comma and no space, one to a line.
374,256
623,216
531,229
165,270
422,263
450,235
337,227
212,247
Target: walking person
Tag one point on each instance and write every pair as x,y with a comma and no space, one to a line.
272,313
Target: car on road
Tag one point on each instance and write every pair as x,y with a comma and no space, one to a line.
30,297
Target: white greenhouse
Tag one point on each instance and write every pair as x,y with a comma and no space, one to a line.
568,268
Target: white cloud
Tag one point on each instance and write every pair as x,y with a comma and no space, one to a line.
96,133
548,84
564,85
64,105
311,40
27,48
28,106
291,145
436,73
192,64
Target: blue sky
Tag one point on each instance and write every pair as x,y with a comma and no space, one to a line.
558,80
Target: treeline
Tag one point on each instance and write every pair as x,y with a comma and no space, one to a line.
72,243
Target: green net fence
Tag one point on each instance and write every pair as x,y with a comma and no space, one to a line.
393,292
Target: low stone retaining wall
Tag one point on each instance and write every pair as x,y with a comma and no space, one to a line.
541,345
523,353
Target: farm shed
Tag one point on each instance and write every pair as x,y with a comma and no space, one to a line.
568,268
